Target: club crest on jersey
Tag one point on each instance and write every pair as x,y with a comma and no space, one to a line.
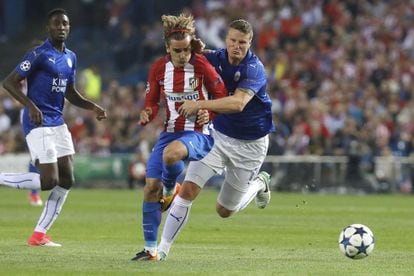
25,65
69,62
236,76
193,83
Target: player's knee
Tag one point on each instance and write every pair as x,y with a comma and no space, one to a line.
152,191
67,182
48,183
173,153
189,191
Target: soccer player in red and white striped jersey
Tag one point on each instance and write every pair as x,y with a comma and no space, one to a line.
180,75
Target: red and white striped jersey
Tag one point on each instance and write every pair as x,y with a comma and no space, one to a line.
197,80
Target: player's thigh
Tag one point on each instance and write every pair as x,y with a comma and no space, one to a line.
64,142
230,196
41,142
198,144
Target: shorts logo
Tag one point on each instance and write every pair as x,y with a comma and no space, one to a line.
193,83
25,65
50,153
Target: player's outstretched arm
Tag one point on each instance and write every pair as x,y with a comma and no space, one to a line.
75,98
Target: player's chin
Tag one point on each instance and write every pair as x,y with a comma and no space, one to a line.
61,37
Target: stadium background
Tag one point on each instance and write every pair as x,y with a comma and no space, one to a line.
340,76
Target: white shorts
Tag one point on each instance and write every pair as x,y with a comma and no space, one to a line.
241,161
47,144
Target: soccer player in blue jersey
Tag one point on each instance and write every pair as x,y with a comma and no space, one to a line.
50,73
240,137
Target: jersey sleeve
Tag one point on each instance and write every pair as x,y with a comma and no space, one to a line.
28,64
72,78
255,77
213,82
153,91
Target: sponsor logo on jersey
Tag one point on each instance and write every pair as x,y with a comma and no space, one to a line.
25,65
179,97
52,60
59,85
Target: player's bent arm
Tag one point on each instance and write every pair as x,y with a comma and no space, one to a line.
12,85
75,98
231,104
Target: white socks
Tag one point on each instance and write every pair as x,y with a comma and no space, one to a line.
52,208
176,219
254,187
27,180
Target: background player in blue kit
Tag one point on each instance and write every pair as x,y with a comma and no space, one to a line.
50,72
240,137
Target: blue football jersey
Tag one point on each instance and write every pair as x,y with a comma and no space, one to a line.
48,73
255,121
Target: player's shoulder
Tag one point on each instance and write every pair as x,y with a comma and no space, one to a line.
160,62
199,59
253,65
158,65
252,59
38,50
70,52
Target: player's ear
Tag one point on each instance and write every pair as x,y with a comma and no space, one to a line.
166,48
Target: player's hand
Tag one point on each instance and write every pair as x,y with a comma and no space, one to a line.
35,115
100,113
203,117
188,108
197,45
145,116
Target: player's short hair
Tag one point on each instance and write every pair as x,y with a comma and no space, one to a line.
243,26
55,11
177,27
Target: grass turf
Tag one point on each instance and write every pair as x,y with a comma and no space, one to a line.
297,234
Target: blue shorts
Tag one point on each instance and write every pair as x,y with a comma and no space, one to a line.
197,144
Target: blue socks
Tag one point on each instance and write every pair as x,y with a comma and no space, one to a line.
151,220
170,174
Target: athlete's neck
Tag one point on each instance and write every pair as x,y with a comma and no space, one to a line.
59,45
234,61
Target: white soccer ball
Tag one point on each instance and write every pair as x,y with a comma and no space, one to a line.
356,241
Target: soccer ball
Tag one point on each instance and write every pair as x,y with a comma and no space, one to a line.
356,241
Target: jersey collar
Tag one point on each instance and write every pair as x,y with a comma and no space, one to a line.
50,45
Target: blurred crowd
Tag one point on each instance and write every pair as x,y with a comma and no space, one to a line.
340,73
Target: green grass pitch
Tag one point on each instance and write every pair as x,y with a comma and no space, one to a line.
297,234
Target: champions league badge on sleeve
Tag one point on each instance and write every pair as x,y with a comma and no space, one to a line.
25,65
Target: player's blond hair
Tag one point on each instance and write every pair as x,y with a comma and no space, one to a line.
177,27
